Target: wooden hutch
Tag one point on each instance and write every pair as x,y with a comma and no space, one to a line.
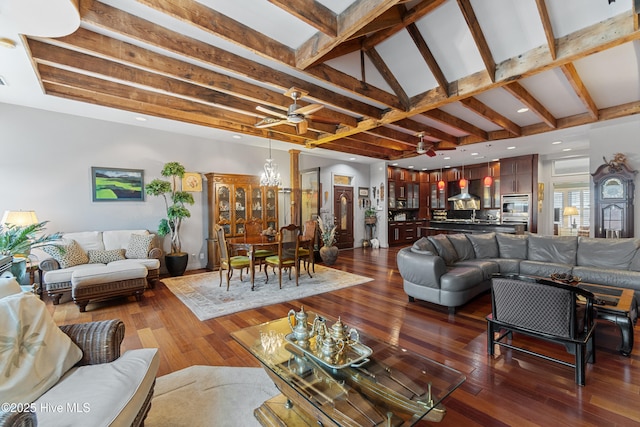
232,201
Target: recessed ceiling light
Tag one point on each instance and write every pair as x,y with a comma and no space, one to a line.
7,42
447,166
237,136
141,119
447,158
511,148
556,142
474,154
352,158
424,169
410,167
523,110
495,160
566,149
394,164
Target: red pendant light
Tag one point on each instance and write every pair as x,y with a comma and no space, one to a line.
488,180
440,184
463,182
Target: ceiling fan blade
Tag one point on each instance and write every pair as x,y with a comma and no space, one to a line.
268,122
309,109
301,128
271,111
431,152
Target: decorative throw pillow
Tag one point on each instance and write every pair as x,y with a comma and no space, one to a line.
423,245
9,286
67,254
105,257
139,246
35,352
485,245
462,245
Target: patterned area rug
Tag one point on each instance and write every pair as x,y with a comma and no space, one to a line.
202,396
203,296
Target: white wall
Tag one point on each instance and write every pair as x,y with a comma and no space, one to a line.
47,158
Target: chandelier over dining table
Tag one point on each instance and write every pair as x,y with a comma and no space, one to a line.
270,177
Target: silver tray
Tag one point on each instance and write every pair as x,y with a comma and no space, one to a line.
353,353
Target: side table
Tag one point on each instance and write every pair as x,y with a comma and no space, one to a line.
36,287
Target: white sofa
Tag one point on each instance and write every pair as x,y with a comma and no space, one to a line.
97,255
72,375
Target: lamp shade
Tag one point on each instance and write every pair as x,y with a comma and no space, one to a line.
441,185
19,218
570,210
487,181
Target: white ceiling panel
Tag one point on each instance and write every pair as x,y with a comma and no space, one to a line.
460,111
553,91
510,27
568,16
507,105
450,41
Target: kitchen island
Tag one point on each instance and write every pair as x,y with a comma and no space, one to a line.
468,226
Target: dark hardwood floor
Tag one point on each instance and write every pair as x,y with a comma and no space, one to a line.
510,388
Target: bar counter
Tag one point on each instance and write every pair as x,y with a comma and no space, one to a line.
469,227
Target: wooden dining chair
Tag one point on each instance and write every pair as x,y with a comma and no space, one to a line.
227,262
305,253
253,228
287,258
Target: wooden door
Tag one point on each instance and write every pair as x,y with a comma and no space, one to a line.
343,211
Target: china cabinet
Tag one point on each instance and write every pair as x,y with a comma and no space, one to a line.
233,200
613,185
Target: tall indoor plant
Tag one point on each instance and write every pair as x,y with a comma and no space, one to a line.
175,201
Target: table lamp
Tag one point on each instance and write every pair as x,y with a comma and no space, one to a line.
19,218
570,211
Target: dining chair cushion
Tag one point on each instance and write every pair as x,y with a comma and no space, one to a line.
302,252
239,261
263,253
275,260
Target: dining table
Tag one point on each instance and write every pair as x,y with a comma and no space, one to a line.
250,244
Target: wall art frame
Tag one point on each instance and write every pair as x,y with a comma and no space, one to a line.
117,184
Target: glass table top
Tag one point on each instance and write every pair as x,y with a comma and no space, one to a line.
386,385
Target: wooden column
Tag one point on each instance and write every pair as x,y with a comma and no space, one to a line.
296,193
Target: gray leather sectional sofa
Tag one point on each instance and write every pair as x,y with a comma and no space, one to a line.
451,269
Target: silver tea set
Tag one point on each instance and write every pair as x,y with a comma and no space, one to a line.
330,342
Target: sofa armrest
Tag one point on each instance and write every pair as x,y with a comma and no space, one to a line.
49,264
18,419
99,341
420,269
155,253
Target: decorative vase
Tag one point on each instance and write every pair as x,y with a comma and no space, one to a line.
329,254
176,263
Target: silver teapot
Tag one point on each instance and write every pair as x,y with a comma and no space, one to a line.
340,333
330,348
299,326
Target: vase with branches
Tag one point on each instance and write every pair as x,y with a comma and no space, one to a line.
328,252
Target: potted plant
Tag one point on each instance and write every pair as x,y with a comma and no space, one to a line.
370,215
328,252
18,240
175,202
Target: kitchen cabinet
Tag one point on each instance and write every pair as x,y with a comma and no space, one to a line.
438,198
517,174
233,200
404,232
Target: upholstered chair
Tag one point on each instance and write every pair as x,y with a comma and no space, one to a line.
288,246
305,253
227,262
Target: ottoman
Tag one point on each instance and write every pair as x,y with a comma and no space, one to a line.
107,281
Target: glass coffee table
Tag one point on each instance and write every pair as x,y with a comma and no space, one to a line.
384,386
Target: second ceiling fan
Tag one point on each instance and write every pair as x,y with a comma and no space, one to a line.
295,115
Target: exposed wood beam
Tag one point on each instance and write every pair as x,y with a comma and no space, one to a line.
109,18
580,89
428,57
409,17
407,140
455,122
493,116
355,17
352,45
548,28
208,20
388,76
533,104
380,141
428,131
478,37
313,13
351,146
390,18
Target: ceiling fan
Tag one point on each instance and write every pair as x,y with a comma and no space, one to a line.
295,115
428,148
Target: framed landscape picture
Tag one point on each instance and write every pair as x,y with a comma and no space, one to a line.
117,185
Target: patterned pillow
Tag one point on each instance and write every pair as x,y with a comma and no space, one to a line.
68,254
105,257
139,246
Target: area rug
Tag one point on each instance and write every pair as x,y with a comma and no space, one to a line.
203,296
209,396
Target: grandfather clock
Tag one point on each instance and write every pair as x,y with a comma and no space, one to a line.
614,189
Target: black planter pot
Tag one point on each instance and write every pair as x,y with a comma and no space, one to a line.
176,263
